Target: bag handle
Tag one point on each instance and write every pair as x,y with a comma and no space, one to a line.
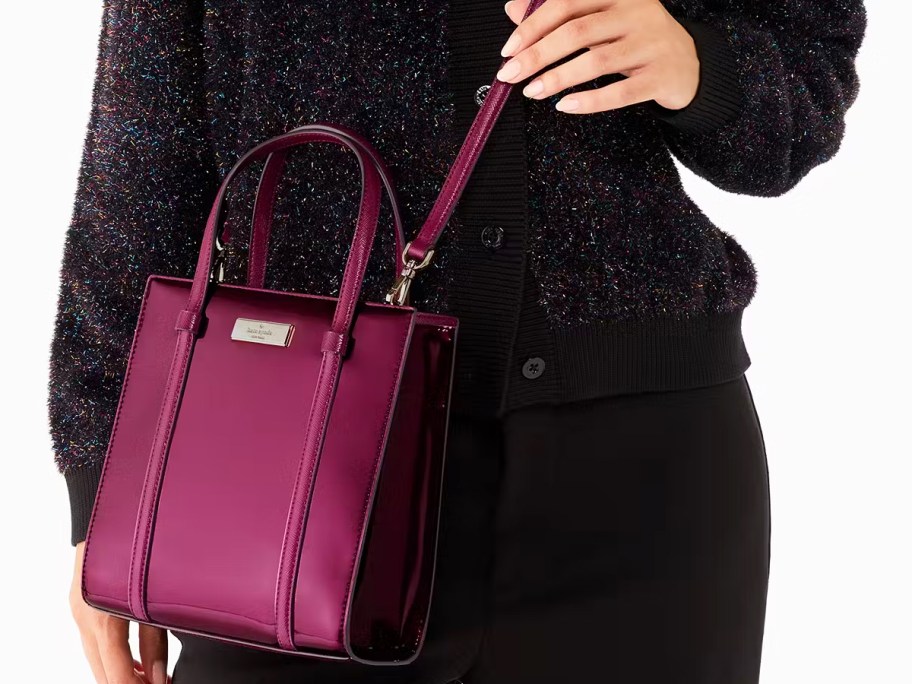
264,203
419,252
189,319
261,225
416,255
333,346
364,232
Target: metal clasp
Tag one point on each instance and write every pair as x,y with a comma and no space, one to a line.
217,275
398,293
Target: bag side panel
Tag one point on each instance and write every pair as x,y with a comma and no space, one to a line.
393,591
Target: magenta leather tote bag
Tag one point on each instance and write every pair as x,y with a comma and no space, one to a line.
275,469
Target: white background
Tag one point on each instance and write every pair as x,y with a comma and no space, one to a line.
828,333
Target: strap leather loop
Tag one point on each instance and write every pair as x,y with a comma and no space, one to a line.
187,320
335,343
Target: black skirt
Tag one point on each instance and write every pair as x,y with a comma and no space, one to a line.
619,539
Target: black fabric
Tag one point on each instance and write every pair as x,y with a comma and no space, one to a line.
609,359
82,485
488,291
622,538
502,324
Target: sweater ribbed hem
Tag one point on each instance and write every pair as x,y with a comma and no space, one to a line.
719,97
605,358
82,484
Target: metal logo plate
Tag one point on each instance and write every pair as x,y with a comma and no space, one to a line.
262,332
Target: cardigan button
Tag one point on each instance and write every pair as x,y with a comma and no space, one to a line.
533,368
492,237
480,94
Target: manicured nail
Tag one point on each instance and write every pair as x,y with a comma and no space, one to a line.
568,104
510,46
510,70
507,7
533,88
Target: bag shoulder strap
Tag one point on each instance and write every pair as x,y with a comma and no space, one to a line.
419,252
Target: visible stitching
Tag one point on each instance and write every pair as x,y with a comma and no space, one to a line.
335,361
326,361
123,392
159,463
382,439
174,604
294,493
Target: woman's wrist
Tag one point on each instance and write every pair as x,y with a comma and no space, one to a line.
718,99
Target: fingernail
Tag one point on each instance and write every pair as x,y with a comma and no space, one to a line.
510,70
507,8
159,672
568,105
510,46
533,88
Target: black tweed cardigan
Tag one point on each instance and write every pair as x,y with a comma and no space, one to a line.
577,263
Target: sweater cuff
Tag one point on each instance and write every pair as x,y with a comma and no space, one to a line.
82,483
719,95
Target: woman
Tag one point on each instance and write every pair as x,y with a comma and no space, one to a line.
606,510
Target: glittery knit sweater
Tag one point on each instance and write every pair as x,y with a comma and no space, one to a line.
574,249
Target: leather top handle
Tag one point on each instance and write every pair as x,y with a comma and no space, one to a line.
362,242
264,203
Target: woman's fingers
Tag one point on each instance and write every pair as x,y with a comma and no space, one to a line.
639,87
153,651
114,647
621,57
84,617
638,39
105,637
90,648
566,39
545,19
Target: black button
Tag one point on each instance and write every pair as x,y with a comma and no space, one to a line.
534,367
492,237
480,94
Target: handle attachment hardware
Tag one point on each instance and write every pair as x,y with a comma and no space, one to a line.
398,293
217,275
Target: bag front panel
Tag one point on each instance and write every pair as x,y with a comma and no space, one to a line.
233,459
222,510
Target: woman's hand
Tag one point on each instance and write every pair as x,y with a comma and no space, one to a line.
105,640
638,39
